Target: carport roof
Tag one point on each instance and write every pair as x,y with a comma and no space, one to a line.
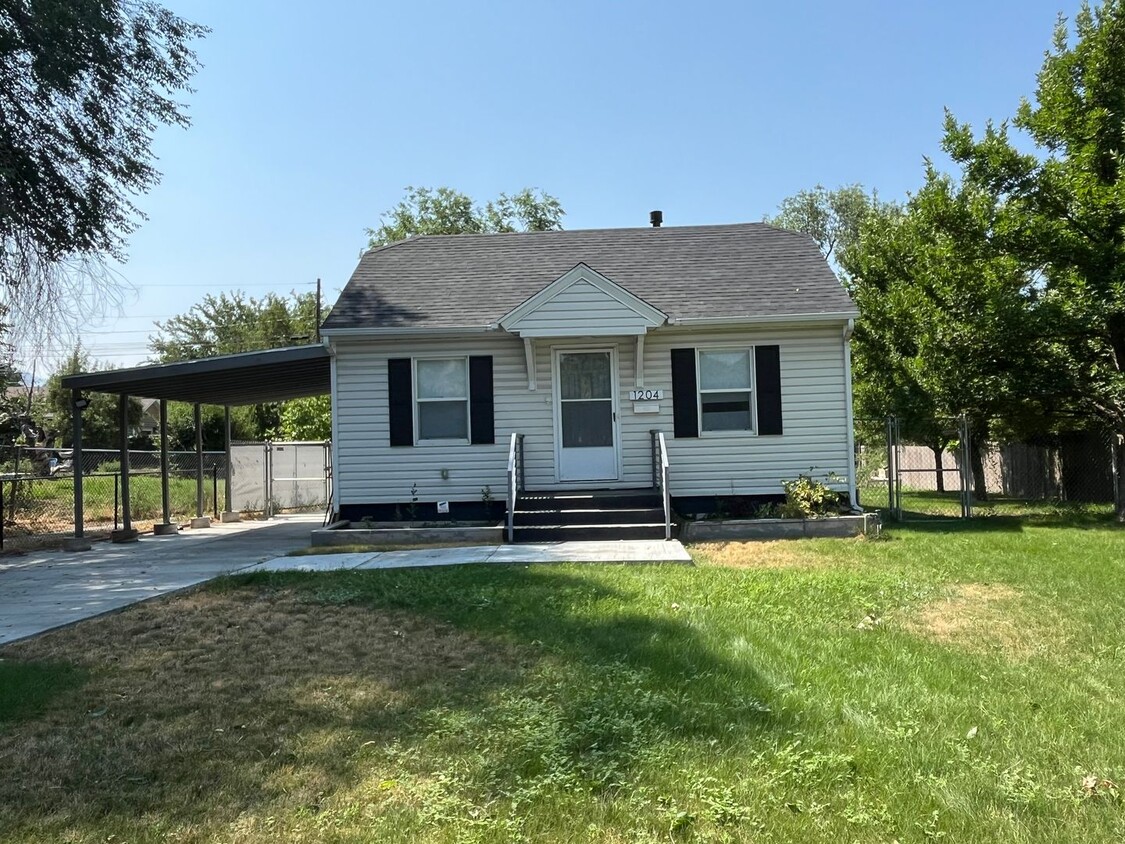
247,378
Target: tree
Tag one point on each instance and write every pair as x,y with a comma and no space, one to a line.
447,211
226,324
831,217
307,419
949,326
1063,205
101,426
233,322
84,84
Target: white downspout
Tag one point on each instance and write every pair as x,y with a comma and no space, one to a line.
847,336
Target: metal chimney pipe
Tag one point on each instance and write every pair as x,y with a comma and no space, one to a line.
656,218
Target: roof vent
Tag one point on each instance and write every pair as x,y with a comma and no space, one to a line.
656,218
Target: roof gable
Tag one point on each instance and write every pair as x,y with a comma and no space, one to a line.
582,301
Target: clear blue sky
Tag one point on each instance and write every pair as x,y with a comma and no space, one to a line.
310,119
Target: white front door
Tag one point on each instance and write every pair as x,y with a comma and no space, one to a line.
587,422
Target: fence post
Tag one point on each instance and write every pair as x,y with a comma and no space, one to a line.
966,469
116,509
215,489
2,519
890,467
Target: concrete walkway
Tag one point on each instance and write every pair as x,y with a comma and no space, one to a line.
625,551
47,589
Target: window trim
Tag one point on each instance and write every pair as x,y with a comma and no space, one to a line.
416,400
752,391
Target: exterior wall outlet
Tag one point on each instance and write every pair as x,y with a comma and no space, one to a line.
445,474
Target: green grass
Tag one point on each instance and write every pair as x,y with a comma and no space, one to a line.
956,681
26,689
42,501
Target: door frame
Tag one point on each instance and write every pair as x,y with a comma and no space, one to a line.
556,409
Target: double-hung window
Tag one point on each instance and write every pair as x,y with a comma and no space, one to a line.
726,386
442,397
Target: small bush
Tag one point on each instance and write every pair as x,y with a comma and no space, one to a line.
808,498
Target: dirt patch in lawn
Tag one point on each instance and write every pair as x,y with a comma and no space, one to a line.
209,705
773,554
982,616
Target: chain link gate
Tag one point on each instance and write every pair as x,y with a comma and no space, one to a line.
932,480
273,476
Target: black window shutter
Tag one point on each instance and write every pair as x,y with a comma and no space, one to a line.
685,407
481,416
767,369
400,392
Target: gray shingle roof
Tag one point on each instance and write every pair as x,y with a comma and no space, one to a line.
446,281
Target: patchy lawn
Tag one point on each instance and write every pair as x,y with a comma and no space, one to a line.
963,682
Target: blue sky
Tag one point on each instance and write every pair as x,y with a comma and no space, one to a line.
308,124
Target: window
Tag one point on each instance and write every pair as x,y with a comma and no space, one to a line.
725,389
442,395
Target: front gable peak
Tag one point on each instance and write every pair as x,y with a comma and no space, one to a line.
582,302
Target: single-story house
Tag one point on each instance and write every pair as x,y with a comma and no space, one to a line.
730,340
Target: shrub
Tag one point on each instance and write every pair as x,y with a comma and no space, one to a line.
808,498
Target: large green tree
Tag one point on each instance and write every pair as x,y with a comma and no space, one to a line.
231,323
950,326
447,211
84,84
1063,204
100,420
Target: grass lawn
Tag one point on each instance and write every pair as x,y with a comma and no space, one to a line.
957,682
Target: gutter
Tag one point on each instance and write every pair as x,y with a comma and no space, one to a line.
831,316
408,332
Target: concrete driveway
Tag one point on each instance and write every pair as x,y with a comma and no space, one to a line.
47,589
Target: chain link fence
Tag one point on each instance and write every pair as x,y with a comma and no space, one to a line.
37,491
937,469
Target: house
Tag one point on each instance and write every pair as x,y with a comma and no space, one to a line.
731,340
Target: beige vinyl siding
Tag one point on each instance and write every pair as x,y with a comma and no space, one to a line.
813,406
814,415
582,307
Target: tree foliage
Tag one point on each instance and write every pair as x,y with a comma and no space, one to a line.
101,426
830,217
84,84
1062,205
234,322
447,211
307,419
226,324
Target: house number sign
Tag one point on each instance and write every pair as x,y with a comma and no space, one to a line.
646,395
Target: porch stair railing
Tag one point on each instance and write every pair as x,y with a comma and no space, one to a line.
515,480
660,477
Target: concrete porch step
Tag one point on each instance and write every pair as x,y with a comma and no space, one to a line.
589,532
598,516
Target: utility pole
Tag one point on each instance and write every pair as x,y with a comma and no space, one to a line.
318,310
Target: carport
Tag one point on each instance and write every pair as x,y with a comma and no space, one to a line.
228,381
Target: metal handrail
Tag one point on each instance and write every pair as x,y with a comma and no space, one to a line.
515,480
660,477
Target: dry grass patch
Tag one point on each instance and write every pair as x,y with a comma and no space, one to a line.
981,617
772,554
211,706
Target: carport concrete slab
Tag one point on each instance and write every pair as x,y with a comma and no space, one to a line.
48,589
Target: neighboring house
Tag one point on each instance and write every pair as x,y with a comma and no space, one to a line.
150,419
732,340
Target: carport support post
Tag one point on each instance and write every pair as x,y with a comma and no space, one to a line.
78,542
166,528
228,514
200,521
126,533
